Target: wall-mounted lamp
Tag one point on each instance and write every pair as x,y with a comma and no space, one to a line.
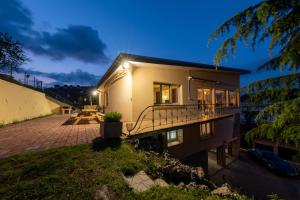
125,65
95,92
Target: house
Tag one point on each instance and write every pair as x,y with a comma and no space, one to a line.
190,107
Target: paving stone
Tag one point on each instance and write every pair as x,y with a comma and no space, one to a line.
140,182
44,133
160,182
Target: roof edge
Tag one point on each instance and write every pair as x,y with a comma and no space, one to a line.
155,60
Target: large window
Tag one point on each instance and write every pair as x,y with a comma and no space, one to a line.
204,96
220,97
205,129
174,137
233,98
165,93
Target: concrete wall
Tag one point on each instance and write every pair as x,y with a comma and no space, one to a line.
194,143
55,105
119,97
18,103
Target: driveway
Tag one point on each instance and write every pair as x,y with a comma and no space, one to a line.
44,133
250,178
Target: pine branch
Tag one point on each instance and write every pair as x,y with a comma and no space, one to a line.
278,20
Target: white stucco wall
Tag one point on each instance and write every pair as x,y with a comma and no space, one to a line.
119,97
131,94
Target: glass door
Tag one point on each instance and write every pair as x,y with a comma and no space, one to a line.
204,100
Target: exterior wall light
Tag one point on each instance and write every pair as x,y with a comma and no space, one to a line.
95,92
125,65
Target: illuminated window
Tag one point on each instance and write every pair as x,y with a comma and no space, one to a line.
233,98
205,129
204,96
165,93
174,137
165,90
220,97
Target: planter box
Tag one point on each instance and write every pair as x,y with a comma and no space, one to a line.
111,129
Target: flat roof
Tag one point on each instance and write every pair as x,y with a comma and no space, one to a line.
153,60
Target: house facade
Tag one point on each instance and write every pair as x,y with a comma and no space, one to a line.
190,107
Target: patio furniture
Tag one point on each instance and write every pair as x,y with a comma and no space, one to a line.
66,110
89,112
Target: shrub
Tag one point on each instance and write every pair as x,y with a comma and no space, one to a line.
129,170
131,166
112,117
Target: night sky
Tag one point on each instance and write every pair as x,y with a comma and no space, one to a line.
74,41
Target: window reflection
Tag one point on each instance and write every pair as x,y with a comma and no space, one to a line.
174,137
220,97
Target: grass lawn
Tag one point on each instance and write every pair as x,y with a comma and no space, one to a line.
77,172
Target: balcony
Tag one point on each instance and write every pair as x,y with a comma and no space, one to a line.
159,117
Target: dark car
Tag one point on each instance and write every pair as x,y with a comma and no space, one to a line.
273,162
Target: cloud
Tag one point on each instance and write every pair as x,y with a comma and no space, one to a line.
78,42
75,41
77,77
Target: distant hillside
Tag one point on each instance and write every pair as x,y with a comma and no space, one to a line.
78,95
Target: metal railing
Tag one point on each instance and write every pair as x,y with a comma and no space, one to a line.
157,117
25,79
34,83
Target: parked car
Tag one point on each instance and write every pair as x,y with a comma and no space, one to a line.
273,162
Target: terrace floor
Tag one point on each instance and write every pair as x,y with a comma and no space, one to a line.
44,133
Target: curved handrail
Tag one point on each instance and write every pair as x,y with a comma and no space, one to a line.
189,110
152,106
138,119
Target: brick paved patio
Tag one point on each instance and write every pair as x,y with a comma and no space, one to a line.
44,133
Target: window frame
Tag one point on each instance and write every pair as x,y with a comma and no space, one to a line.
236,98
170,93
176,140
223,104
106,97
206,134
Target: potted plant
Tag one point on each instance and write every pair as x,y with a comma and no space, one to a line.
112,125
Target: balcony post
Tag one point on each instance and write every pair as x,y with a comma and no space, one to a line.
172,117
153,117
159,118
186,113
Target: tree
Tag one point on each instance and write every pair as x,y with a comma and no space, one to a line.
11,52
279,122
271,90
277,20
